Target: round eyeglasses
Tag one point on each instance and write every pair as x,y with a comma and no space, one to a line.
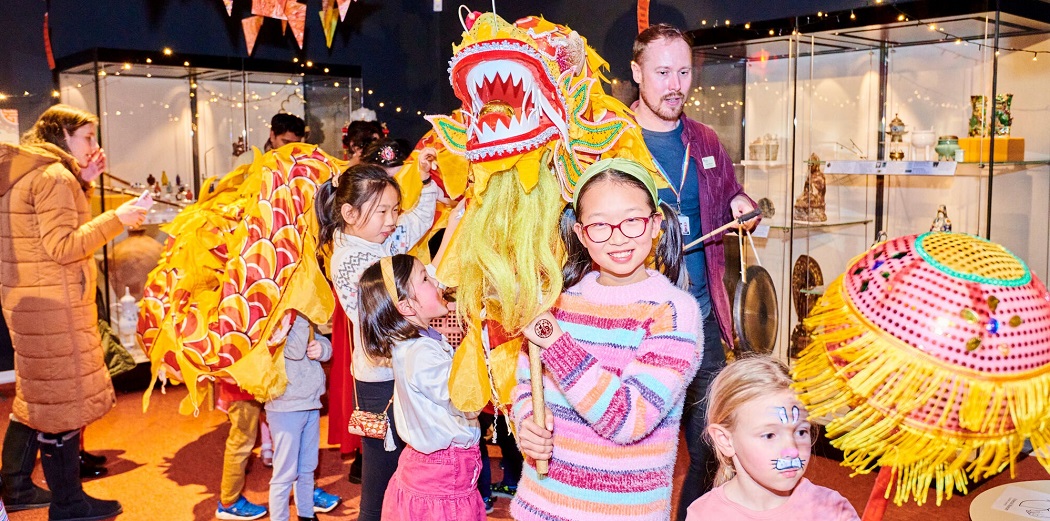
631,227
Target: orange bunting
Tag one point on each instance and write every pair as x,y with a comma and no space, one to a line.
296,15
271,8
643,15
251,26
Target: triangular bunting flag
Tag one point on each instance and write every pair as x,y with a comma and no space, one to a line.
270,8
326,5
284,27
344,5
329,21
251,27
229,7
296,14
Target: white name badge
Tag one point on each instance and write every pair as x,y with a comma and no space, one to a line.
708,162
683,221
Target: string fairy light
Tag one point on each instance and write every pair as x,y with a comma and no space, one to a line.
799,27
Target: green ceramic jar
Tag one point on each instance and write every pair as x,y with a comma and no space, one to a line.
946,147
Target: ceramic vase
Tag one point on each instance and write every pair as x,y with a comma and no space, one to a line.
1003,119
977,112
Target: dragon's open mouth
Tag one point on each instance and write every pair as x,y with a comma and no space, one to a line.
511,97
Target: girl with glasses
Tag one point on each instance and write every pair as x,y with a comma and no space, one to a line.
618,350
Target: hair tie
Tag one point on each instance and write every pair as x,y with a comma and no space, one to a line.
386,265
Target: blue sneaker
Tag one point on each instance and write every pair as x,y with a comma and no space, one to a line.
490,504
325,502
241,509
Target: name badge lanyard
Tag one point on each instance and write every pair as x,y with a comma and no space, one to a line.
683,219
681,185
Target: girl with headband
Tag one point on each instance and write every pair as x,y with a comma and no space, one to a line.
618,350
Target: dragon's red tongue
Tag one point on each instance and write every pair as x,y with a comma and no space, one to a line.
489,120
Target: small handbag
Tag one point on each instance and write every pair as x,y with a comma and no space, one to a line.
364,423
368,424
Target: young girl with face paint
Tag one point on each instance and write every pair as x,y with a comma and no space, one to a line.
763,441
619,349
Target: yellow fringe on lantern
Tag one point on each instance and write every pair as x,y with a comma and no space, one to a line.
852,364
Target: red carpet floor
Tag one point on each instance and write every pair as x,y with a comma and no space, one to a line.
164,466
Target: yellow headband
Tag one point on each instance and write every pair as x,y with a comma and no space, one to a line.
387,266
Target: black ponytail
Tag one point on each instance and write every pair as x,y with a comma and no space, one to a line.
578,260
668,256
328,218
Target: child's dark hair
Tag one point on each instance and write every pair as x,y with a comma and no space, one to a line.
359,134
283,122
386,152
359,186
667,255
382,325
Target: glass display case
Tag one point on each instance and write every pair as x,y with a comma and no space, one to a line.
184,119
183,115
855,110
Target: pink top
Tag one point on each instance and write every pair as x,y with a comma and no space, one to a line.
807,502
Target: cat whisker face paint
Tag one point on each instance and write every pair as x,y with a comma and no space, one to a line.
788,463
772,441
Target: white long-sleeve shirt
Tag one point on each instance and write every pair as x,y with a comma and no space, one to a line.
423,410
351,255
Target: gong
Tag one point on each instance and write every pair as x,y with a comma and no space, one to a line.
805,276
755,311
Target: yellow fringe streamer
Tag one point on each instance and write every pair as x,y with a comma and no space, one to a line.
851,365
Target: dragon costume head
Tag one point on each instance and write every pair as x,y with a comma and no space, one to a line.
533,117
528,89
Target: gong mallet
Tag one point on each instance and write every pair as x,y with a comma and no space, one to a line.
735,222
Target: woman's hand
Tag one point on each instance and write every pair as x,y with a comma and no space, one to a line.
131,215
427,162
543,330
537,442
95,166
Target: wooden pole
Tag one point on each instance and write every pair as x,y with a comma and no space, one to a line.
877,501
735,222
539,407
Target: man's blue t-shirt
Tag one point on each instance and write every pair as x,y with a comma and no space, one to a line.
669,151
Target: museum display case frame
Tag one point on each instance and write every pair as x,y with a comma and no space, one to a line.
832,84
191,118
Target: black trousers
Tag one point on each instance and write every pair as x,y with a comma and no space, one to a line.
702,462
379,465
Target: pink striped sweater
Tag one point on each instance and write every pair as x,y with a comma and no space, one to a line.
615,382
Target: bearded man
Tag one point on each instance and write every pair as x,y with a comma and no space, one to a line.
706,194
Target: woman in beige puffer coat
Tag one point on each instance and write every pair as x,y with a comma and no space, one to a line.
47,291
